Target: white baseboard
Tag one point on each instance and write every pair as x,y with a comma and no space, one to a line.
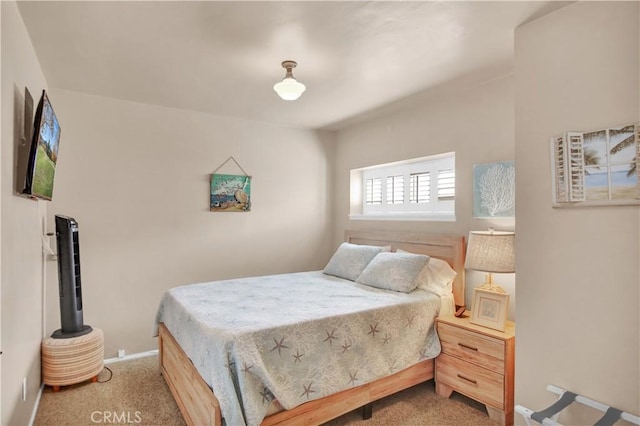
153,352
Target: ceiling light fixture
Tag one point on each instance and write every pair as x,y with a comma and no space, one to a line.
289,88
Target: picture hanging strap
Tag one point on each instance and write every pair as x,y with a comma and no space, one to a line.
226,161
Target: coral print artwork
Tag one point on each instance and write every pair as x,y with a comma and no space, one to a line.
494,190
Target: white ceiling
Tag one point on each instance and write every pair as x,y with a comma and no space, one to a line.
223,58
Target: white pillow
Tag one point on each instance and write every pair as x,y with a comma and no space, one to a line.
393,271
349,260
437,276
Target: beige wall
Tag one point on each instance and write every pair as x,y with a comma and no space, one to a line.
578,278
474,120
21,221
136,178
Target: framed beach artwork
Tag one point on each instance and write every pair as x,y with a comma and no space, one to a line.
230,193
598,167
494,190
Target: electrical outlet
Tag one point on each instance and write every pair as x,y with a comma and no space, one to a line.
121,353
24,389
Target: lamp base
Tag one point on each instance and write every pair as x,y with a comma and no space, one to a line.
490,286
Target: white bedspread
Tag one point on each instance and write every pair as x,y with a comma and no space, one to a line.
295,337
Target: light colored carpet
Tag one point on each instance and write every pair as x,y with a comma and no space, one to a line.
137,394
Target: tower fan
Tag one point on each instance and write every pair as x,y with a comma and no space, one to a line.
69,282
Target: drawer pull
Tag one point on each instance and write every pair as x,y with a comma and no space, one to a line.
471,348
460,376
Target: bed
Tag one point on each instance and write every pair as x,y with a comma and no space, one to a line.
270,365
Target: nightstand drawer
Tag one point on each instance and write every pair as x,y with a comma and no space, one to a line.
476,348
477,383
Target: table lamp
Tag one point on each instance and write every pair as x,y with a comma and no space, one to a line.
492,252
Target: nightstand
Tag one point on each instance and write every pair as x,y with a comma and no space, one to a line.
477,362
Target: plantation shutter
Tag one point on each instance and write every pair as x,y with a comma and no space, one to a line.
446,184
576,166
560,163
374,191
420,188
568,158
395,189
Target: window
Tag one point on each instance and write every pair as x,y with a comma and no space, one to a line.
419,189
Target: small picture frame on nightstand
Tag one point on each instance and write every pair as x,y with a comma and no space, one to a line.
490,309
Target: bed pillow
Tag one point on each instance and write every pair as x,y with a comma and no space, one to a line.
349,260
393,271
436,277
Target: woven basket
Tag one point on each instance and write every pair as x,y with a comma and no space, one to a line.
74,360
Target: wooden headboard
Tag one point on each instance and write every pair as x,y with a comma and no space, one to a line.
446,247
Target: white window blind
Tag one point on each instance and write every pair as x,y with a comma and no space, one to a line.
415,189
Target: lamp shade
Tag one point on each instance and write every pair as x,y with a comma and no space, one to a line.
491,251
289,89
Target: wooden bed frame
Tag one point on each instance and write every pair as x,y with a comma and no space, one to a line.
199,406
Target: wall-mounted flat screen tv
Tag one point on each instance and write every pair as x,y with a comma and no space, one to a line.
41,168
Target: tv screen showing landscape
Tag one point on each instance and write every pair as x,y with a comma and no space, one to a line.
44,152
